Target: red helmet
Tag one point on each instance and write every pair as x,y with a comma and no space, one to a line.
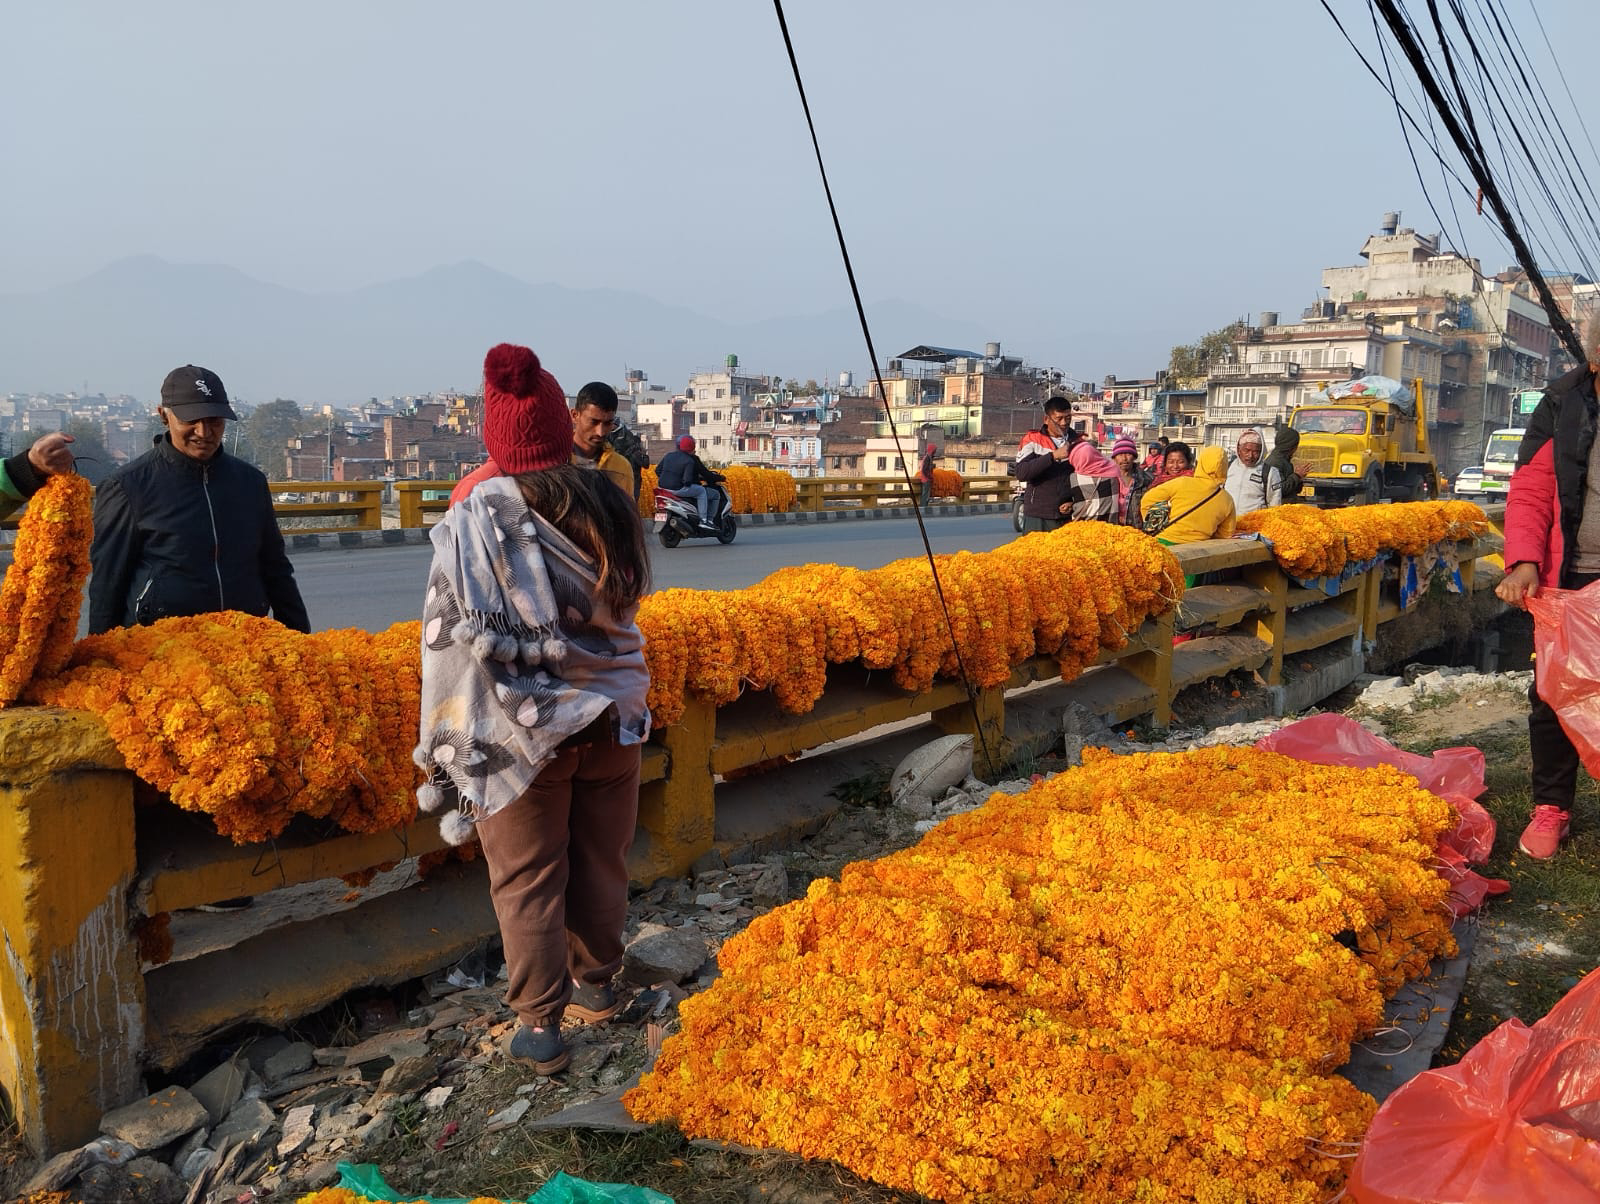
685,442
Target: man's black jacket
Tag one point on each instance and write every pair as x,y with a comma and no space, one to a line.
680,468
178,536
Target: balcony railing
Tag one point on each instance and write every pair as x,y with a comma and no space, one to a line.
1260,371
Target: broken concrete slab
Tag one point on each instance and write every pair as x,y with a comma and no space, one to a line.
156,1120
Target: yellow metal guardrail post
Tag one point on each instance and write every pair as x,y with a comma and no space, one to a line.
72,998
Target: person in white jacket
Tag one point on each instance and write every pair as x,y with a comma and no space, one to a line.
1252,485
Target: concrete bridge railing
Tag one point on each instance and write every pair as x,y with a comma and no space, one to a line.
93,862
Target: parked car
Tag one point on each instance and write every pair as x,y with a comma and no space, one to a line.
1469,482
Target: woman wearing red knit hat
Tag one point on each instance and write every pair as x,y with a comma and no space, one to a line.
533,701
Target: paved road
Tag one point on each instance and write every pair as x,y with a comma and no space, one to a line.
374,587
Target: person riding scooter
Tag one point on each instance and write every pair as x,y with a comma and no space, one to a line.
684,473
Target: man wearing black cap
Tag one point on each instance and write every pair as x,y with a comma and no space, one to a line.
187,529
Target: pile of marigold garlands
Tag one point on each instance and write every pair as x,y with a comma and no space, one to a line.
1068,594
1308,542
751,490
43,590
946,483
1132,982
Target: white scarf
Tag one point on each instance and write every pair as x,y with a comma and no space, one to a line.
518,654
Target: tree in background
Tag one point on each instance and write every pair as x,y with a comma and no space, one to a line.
1189,365
89,454
267,431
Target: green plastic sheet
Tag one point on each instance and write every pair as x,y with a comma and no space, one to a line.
365,1179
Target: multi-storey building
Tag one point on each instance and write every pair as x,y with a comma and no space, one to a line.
717,402
1410,311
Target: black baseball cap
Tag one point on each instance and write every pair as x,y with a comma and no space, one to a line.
194,393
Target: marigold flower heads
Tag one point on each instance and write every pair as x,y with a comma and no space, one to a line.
1131,982
43,591
1308,542
251,722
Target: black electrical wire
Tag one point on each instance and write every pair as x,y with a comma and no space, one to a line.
1470,145
883,393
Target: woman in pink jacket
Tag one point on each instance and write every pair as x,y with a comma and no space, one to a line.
1553,540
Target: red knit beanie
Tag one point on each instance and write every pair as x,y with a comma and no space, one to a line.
526,423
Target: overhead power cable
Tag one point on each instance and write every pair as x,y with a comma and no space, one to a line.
1464,133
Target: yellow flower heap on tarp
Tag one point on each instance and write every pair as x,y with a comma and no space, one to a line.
1129,983
252,723
1308,542
1068,594
43,591
946,483
759,490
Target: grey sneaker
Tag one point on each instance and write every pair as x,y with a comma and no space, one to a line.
540,1048
592,1003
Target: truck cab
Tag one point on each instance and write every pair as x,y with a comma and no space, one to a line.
1362,442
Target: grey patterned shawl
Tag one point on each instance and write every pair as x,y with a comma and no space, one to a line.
518,653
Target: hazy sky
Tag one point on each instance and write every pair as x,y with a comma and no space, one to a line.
1089,182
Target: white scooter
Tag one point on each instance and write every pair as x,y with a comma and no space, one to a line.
680,517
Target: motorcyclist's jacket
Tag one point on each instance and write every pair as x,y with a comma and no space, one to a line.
178,536
680,468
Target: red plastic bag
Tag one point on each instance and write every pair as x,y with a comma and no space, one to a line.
1566,667
1454,774
1330,739
1517,1119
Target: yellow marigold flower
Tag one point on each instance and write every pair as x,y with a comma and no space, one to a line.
1130,982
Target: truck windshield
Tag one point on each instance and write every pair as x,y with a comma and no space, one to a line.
1330,422
1502,449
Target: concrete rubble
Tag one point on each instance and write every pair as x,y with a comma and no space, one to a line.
271,1117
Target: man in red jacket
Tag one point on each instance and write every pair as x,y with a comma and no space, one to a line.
1553,540
1042,466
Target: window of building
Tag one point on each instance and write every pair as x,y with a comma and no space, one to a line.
716,415
721,393
883,463
716,440
836,460
961,466
955,399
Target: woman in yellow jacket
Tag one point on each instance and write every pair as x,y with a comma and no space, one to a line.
1198,507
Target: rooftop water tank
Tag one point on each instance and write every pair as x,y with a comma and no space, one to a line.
991,351
732,361
846,379
1269,317
1390,223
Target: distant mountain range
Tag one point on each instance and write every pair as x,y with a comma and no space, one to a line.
122,328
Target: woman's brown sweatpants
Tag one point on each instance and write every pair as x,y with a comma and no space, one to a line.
558,875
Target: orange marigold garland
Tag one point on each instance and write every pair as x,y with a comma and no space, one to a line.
946,483
252,723
1127,983
1067,594
43,591
1308,542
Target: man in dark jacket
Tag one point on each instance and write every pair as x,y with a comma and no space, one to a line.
1043,467
187,529
1552,530
685,473
1285,442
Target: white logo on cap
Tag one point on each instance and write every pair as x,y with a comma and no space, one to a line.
200,383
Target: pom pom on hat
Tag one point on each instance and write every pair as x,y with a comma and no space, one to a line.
527,425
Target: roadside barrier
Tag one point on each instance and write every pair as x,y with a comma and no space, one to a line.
93,863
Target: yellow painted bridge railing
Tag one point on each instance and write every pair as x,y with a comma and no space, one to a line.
93,863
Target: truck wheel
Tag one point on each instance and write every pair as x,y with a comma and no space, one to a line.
1371,490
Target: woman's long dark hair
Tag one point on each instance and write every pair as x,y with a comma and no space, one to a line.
588,508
